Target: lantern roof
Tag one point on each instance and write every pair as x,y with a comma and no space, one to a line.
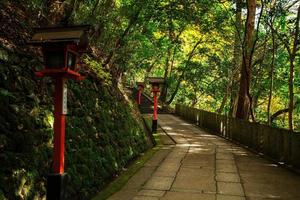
140,83
156,80
69,34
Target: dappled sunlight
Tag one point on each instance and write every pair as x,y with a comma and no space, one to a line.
181,140
271,196
270,165
207,135
167,147
189,145
185,124
240,152
167,128
201,150
175,134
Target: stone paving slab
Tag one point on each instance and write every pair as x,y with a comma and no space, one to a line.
124,194
159,183
154,193
228,177
139,178
201,166
228,188
145,198
187,196
229,197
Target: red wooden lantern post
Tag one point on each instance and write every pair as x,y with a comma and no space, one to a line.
139,94
61,47
155,82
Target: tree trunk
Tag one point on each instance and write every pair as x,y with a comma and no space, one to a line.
176,88
163,95
292,71
225,97
170,58
190,56
237,55
149,69
291,94
271,79
237,39
282,111
244,100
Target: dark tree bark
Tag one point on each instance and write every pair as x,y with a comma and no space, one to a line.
237,55
225,97
170,61
271,78
191,54
282,111
243,106
292,54
292,51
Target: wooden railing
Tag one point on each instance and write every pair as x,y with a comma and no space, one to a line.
278,144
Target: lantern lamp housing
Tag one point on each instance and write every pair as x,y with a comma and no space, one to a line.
140,85
61,47
156,82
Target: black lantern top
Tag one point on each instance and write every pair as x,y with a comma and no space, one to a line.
140,84
156,81
71,34
61,49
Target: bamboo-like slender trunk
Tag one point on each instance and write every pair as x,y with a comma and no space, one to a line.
271,79
292,71
236,54
225,97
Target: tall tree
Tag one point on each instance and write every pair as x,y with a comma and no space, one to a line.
292,54
244,101
236,59
271,76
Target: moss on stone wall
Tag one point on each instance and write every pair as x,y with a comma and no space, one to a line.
102,135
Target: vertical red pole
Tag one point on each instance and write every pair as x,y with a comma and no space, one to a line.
154,105
154,120
59,128
139,97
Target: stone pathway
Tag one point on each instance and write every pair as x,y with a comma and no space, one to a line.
195,165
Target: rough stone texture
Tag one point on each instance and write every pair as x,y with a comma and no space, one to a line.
230,188
187,196
228,177
229,197
204,166
159,183
154,193
145,198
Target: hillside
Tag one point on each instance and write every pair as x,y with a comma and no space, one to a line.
103,134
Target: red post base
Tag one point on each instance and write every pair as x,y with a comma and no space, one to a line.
56,186
154,126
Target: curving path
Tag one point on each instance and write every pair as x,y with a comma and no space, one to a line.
195,165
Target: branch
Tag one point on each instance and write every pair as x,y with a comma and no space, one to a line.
191,54
119,42
282,111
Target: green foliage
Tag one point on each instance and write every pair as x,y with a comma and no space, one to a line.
98,69
102,134
191,43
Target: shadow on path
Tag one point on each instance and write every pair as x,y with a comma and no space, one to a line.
199,165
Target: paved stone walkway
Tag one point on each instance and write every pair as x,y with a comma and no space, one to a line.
195,165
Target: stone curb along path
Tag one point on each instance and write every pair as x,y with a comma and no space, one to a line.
195,165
